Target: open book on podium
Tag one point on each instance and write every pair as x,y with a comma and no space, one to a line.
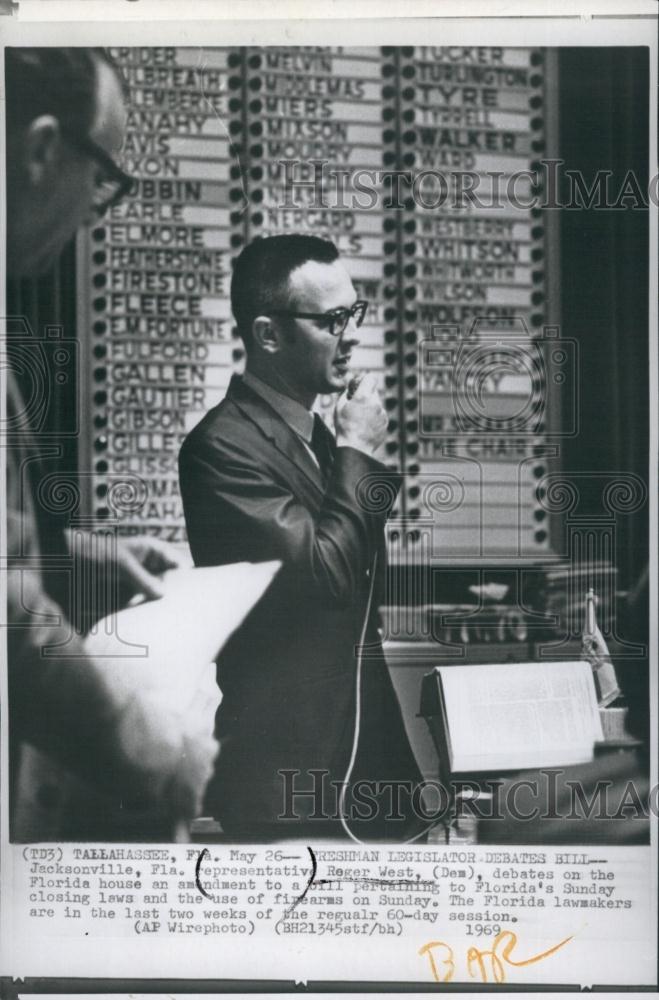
512,716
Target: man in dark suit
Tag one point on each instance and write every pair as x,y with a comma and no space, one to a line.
263,478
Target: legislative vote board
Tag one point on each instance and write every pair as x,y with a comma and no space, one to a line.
368,147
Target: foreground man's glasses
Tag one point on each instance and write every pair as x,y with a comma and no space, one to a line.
113,183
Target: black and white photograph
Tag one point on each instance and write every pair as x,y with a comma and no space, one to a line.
329,429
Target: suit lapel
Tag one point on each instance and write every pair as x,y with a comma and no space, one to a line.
255,408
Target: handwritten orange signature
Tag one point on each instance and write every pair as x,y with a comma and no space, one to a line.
479,962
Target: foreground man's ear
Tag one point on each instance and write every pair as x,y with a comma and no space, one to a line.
42,148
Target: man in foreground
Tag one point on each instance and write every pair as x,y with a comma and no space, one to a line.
79,738
263,478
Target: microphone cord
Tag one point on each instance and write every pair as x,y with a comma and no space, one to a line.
358,701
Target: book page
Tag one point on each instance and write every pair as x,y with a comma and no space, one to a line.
520,715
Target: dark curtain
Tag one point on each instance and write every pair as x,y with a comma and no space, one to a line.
604,126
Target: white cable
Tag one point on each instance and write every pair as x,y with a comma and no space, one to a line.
358,701
355,738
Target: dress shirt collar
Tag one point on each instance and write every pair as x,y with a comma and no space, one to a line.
298,418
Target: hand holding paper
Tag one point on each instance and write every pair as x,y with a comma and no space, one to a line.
155,662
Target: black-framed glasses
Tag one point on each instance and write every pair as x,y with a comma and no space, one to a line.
113,183
336,320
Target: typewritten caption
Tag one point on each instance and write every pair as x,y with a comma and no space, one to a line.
453,914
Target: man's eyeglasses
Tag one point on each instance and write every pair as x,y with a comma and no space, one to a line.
336,320
113,183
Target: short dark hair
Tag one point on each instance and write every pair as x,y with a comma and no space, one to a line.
53,81
261,273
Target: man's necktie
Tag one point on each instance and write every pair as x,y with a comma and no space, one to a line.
323,446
